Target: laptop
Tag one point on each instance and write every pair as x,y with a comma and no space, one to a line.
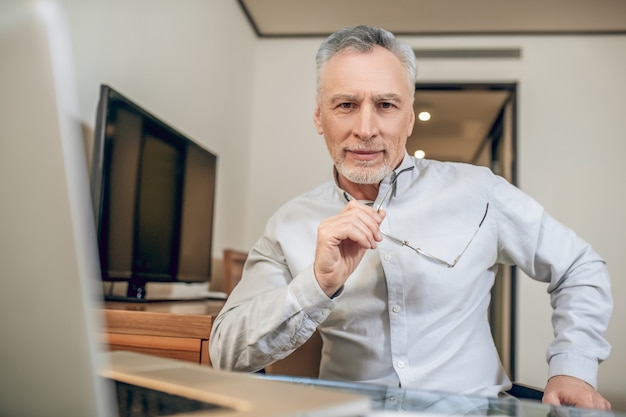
51,363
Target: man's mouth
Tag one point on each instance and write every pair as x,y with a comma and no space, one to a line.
364,155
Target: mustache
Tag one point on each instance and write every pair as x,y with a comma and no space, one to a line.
368,146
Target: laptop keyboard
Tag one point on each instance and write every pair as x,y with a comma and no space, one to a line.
135,401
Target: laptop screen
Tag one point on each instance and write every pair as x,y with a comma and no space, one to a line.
47,243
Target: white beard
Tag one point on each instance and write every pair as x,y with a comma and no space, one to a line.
363,173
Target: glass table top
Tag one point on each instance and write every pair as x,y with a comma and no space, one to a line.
392,400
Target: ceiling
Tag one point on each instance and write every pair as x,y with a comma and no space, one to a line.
275,18
461,118
460,122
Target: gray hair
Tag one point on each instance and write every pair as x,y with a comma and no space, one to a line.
364,39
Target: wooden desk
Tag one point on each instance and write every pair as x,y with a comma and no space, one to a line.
181,330
178,329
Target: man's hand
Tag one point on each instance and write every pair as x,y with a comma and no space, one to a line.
567,390
342,241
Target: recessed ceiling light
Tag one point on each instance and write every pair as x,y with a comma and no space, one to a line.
419,154
424,116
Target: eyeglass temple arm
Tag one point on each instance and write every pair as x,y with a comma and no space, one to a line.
473,236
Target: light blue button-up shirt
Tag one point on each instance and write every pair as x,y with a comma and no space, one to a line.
402,319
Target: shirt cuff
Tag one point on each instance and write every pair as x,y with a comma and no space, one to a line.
576,366
313,301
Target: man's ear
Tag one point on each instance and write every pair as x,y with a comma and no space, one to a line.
317,119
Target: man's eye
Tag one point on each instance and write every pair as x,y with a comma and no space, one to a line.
346,105
386,105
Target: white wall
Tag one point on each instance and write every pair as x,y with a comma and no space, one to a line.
288,157
572,91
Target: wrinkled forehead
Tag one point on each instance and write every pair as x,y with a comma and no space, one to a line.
377,70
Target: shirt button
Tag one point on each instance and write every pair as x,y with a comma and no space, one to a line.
400,364
395,308
325,311
387,258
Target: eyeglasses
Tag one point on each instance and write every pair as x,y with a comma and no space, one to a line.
419,251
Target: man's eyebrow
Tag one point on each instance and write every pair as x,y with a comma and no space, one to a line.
376,98
344,97
388,97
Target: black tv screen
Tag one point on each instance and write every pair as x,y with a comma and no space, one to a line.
153,191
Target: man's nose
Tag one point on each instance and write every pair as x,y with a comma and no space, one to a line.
366,125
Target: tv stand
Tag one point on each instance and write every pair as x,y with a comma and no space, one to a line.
210,295
144,292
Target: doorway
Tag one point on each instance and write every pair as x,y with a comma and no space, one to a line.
476,124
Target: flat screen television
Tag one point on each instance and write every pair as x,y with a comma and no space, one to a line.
153,191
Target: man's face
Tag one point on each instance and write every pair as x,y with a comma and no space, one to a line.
365,112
